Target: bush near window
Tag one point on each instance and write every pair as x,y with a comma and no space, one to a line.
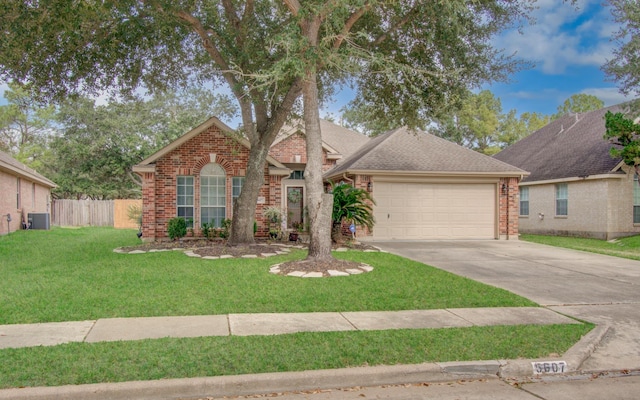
177,228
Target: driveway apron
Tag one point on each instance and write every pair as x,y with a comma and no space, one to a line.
596,288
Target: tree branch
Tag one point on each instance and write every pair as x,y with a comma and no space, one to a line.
403,21
293,6
353,18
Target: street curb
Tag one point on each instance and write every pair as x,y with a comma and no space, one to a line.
278,382
262,383
574,357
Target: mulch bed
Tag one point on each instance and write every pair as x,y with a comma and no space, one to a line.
217,248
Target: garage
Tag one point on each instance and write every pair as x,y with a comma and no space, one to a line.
435,211
427,188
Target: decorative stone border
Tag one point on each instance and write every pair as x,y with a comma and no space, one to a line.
275,269
318,274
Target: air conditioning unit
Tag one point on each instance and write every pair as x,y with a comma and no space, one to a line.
39,221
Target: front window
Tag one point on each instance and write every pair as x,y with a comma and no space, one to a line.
212,195
185,198
562,199
636,200
524,201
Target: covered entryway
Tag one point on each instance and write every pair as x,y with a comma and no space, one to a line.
411,210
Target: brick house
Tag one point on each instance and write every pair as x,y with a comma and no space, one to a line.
425,187
23,191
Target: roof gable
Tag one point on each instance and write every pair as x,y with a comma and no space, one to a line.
336,140
213,121
570,146
402,150
15,167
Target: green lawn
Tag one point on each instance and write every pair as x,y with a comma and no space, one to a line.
628,247
73,274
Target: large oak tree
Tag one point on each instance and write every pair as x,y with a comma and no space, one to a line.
409,59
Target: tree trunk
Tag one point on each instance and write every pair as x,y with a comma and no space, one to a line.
319,204
244,211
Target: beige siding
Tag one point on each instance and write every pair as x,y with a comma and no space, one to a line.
599,208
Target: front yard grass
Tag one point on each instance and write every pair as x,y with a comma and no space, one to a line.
80,363
73,274
628,247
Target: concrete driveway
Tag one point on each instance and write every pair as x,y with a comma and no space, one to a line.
596,288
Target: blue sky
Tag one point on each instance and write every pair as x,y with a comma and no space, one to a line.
568,44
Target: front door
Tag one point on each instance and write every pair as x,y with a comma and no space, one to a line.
294,206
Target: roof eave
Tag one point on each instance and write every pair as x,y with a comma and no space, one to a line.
510,174
213,121
26,174
575,179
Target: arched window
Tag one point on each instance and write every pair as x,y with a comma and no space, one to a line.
213,199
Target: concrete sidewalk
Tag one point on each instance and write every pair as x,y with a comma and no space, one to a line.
115,329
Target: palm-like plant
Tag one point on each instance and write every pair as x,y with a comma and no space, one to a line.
353,205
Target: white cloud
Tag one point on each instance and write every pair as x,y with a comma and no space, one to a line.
610,95
563,36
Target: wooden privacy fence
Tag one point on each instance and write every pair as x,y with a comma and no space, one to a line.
66,212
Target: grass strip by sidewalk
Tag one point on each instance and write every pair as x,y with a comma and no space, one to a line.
74,275
82,363
628,247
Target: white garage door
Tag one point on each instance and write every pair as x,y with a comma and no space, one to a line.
434,211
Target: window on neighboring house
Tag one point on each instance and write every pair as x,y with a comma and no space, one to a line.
524,201
297,175
236,187
185,198
636,200
18,193
562,199
33,195
213,197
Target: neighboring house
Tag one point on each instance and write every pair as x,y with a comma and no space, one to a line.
425,187
575,187
23,191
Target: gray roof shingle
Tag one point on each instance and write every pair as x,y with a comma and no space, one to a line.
570,146
416,151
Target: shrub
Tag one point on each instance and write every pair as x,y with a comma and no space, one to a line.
226,227
134,213
177,228
207,230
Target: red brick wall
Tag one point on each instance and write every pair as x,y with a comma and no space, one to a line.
286,150
159,188
509,208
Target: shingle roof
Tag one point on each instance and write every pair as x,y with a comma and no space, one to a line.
344,141
570,146
403,151
17,168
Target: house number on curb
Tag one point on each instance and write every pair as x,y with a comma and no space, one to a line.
549,367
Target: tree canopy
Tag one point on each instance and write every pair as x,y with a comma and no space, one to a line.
579,103
25,125
624,65
623,133
409,59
